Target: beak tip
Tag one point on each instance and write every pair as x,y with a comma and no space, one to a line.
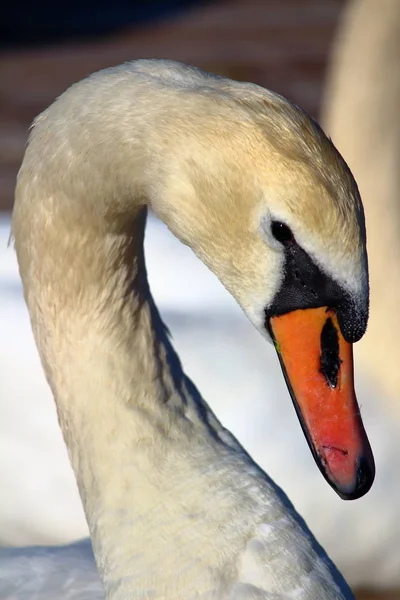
365,475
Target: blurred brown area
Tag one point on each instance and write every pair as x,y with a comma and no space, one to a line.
389,595
280,44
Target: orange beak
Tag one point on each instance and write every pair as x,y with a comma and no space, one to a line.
317,364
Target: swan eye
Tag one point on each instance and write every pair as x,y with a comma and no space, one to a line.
281,232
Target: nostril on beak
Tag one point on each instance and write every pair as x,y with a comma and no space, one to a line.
330,359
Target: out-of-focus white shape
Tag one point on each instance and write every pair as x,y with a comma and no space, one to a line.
238,373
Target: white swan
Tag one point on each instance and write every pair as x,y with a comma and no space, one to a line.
174,504
39,501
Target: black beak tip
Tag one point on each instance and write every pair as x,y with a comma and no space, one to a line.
364,480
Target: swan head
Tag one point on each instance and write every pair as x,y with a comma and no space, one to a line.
273,210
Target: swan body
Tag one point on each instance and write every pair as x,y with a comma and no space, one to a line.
175,506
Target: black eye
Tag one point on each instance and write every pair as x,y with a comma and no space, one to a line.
281,232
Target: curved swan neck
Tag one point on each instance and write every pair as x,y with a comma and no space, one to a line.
176,508
140,438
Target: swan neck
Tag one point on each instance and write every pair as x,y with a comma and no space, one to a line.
136,429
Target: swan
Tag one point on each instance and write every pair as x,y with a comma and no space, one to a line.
39,502
175,506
